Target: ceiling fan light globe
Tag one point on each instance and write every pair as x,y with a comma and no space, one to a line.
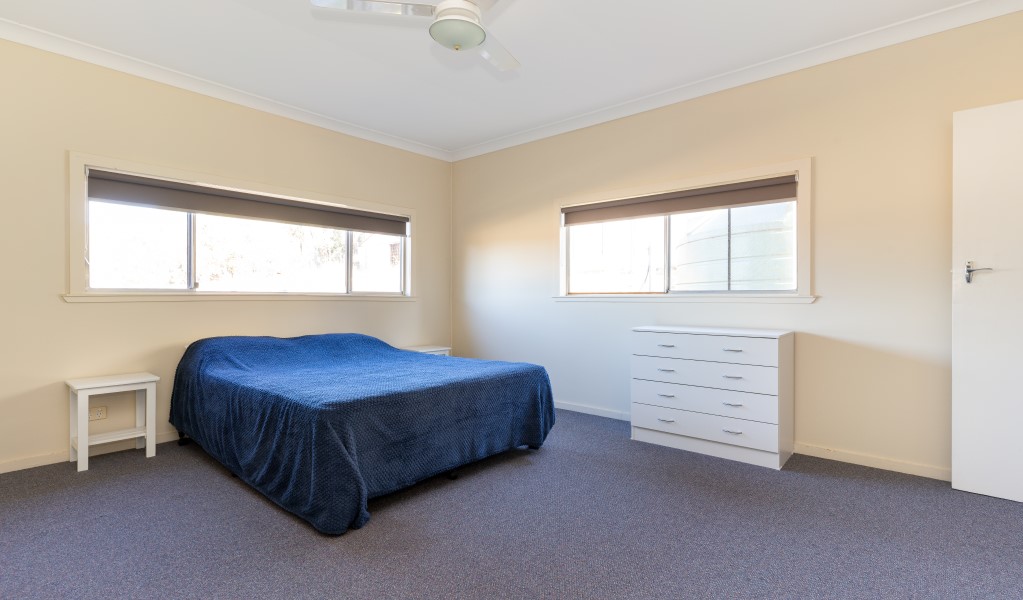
457,32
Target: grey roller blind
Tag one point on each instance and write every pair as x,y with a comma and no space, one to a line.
718,196
145,191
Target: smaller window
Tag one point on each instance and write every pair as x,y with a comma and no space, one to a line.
732,238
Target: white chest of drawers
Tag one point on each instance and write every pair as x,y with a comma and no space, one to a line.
723,392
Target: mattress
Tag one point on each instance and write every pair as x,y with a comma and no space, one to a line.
320,424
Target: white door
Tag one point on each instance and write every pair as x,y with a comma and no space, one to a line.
987,314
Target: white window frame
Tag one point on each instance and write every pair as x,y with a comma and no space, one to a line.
77,283
803,294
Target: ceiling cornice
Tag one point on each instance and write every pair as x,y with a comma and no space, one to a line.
43,40
966,13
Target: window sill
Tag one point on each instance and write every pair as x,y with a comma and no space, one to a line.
714,298
227,296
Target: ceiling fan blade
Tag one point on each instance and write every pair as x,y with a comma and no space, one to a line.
498,55
378,6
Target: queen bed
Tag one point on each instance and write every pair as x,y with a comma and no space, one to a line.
320,424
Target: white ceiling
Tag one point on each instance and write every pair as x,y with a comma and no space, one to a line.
382,78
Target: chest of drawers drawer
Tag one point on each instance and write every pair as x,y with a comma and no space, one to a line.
725,430
727,403
725,376
717,348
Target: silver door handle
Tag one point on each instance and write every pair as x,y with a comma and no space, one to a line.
732,349
663,420
970,270
666,345
666,395
733,404
666,370
732,431
732,376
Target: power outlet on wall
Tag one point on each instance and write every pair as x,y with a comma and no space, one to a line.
97,412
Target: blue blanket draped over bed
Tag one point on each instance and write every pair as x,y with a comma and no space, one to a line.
321,423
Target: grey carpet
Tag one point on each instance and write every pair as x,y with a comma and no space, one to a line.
590,515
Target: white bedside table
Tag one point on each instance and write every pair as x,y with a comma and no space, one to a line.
80,391
441,350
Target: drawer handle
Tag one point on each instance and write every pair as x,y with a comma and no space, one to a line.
666,370
732,431
732,376
732,349
735,404
663,420
666,345
666,395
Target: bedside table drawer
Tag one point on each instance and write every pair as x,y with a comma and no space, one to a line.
717,348
741,378
737,432
726,403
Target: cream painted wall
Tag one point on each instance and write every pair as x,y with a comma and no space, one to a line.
51,105
873,353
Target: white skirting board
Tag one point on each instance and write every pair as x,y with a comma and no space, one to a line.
878,462
27,462
856,458
39,460
593,410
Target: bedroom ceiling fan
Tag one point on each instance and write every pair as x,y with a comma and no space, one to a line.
457,24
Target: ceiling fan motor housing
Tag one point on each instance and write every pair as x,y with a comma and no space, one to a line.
457,25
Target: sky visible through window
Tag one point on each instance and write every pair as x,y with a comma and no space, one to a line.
134,247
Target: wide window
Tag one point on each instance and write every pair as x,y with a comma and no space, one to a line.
735,238
158,235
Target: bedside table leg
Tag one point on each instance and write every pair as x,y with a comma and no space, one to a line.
83,431
140,416
150,395
73,419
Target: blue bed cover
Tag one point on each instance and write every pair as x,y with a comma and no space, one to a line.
322,423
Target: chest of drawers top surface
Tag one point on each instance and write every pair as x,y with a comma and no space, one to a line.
731,331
